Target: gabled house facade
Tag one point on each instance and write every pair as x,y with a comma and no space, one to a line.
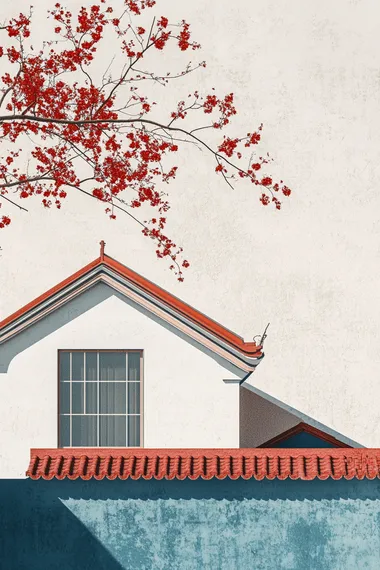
107,359
131,420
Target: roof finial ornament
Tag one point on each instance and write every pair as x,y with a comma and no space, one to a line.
263,336
102,246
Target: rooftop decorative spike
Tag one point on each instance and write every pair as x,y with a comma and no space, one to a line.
102,246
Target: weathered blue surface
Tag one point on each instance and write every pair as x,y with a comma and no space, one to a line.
247,525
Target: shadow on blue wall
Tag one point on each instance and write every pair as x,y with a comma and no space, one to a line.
126,523
38,532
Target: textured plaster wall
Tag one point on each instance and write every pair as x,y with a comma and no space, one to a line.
260,420
205,525
185,403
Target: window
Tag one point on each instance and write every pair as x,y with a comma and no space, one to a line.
99,398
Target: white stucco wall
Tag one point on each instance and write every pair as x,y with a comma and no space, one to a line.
186,402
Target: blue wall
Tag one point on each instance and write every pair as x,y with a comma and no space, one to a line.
169,525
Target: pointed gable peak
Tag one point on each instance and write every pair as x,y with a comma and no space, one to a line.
216,337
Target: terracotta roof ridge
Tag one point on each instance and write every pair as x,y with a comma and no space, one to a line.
56,288
246,463
249,349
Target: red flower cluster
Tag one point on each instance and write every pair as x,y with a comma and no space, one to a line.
19,27
4,221
228,146
184,38
136,6
100,137
224,106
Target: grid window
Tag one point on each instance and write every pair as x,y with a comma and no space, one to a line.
100,398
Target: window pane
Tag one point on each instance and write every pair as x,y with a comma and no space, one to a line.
64,366
91,366
64,431
112,366
134,366
99,408
64,397
91,397
77,398
133,397
112,431
112,398
84,431
134,431
77,365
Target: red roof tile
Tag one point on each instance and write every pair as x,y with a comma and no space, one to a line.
256,463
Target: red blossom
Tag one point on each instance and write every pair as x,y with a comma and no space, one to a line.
98,193
136,6
4,221
160,41
19,27
253,139
264,199
210,103
228,146
184,37
163,22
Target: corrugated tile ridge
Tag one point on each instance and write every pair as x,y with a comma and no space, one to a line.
247,463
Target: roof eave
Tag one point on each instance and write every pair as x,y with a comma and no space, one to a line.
247,354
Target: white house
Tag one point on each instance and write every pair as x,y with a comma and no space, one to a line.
106,359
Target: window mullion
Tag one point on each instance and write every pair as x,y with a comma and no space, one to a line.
97,399
84,383
71,399
141,400
126,397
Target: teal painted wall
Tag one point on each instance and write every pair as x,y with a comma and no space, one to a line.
227,525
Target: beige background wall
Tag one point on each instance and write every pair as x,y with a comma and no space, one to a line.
310,71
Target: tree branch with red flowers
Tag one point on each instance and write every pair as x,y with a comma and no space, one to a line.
103,136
